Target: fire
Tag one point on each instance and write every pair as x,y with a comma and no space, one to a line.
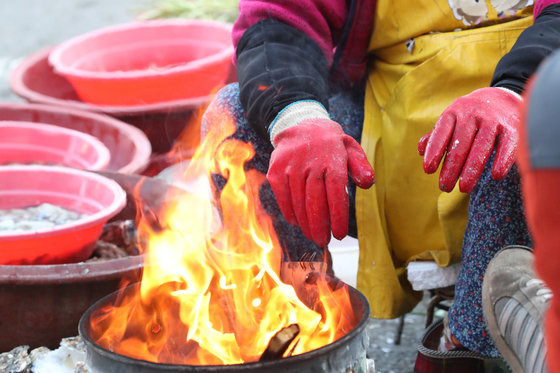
211,293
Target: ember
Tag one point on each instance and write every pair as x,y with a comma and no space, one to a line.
211,293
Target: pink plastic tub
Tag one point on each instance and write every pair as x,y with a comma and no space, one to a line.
34,80
96,196
129,147
28,143
147,62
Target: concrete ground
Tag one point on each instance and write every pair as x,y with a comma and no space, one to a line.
31,25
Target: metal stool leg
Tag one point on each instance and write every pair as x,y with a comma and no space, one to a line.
400,328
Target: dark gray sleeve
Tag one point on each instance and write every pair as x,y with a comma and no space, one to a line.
533,45
276,66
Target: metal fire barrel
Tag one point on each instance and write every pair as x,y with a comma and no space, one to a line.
345,355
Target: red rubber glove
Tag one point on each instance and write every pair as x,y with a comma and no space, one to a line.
308,172
469,130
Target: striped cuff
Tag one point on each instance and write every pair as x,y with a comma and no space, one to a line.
294,114
512,92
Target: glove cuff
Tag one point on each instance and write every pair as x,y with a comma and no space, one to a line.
294,114
512,92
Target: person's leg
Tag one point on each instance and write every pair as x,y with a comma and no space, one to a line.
496,219
527,302
344,109
226,103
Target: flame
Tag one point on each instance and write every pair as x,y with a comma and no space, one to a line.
211,292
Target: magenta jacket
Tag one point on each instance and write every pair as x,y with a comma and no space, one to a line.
323,21
288,51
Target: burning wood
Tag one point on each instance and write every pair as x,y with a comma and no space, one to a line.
280,343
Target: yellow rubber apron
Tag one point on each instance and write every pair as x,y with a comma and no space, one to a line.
405,217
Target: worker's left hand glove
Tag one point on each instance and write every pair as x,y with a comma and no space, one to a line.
468,131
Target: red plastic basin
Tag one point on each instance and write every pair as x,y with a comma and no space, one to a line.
28,142
35,80
85,192
129,147
147,62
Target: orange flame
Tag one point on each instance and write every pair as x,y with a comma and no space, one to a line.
211,292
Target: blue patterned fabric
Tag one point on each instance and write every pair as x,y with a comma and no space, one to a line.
495,216
496,219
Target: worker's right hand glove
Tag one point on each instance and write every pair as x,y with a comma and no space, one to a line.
309,171
467,133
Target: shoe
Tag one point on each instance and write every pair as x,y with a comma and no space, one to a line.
430,360
514,301
447,341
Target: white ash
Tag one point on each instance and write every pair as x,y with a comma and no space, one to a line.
16,360
37,353
42,216
68,358
80,367
19,360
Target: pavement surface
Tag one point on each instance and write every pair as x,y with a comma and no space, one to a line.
31,25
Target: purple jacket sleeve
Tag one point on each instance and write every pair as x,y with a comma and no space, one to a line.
541,4
321,20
